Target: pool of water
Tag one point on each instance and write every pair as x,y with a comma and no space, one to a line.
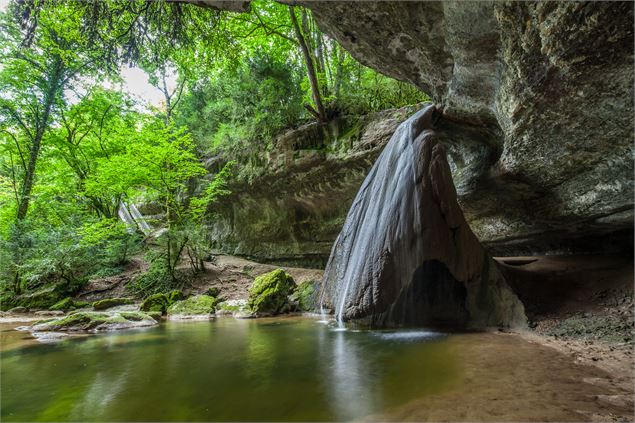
288,369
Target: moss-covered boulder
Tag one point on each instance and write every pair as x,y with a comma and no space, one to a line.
269,294
68,304
304,295
111,302
156,302
202,305
41,299
232,308
175,296
95,321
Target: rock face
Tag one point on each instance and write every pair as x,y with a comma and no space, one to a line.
538,106
406,255
293,204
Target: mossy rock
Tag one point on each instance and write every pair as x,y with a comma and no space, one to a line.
304,295
231,307
198,304
92,320
175,296
41,299
156,302
213,292
155,315
68,304
111,302
270,292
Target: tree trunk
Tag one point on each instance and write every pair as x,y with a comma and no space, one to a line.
315,90
34,150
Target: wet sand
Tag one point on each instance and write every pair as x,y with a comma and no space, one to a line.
514,377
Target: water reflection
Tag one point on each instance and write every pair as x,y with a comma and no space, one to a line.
224,370
353,392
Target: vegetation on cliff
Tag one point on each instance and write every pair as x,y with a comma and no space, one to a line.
79,152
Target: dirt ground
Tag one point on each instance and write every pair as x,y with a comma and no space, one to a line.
583,307
231,275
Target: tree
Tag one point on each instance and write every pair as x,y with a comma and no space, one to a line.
33,80
308,60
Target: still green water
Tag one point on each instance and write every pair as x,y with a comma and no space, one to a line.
289,369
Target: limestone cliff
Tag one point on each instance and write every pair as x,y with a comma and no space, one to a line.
538,99
537,125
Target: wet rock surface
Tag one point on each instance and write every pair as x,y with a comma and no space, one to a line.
406,255
538,119
83,321
292,207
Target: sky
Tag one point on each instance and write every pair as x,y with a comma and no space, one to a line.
135,81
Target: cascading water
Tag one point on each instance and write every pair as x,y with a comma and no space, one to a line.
406,255
383,215
130,215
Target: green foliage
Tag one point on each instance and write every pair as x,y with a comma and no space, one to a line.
156,302
156,279
251,101
270,292
68,304
175,295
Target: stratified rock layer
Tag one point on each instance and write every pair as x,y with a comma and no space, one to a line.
538,97
406,255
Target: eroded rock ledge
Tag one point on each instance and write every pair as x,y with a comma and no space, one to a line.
538,97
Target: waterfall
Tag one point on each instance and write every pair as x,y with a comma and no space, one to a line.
406,256
130,215
383,214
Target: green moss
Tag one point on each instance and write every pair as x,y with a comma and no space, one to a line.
155,315
41,299
156,302
134,316
87,320
198,304
213,292
269,293
304,295
68,304
175,296
111,302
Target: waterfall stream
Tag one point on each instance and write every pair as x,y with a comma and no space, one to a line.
383,213
130,215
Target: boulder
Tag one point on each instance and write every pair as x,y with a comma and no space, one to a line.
156,302
68,304
111,302
94,321
304,296
269,294
198,305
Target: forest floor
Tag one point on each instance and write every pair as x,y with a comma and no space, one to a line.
231,275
